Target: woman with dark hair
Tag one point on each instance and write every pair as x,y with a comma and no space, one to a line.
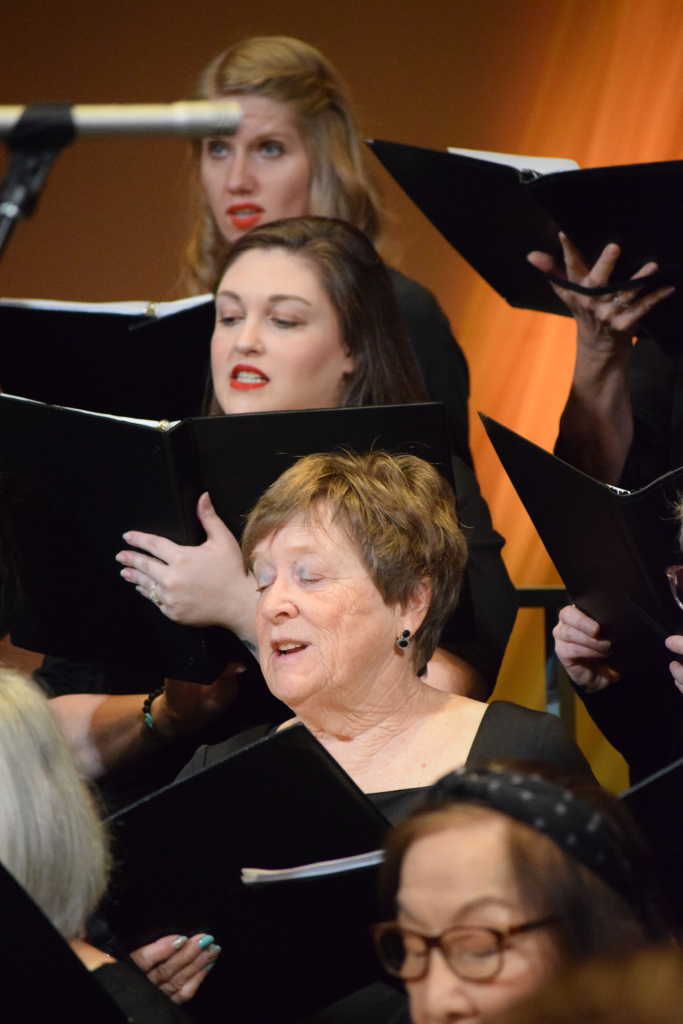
357,284
507,873
307,318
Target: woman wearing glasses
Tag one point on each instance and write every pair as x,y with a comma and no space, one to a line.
503,877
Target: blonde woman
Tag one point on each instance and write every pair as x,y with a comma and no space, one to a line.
298,152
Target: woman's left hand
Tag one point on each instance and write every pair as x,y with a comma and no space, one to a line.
178,965
202,585
675,645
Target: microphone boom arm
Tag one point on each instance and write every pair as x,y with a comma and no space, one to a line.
34,144
35,135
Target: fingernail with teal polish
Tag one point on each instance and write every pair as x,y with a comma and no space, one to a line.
213,950
179,942
209,966
206,941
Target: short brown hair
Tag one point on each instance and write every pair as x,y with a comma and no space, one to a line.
592,916
358,285
297,74
398,511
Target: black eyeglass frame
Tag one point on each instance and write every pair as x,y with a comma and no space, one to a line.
500,935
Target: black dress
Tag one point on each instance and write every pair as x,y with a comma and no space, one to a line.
506,731
140,1000
440,358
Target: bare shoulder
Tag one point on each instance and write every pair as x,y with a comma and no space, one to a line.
455,710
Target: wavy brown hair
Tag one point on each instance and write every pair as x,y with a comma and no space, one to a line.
357,282
399,513
297,74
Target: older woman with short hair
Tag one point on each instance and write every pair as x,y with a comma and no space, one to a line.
358,560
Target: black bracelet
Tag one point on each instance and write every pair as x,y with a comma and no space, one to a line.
149,721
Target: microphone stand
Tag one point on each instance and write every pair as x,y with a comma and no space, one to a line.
34,144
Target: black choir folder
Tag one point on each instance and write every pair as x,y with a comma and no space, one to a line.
611,547
494,208
279,802
149,360
82,480
43,981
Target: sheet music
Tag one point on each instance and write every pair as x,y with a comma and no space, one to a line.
154,424
540,164
254,876
133,308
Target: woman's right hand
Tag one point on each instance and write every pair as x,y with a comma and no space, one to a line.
202,585
178,965
582,651
606,322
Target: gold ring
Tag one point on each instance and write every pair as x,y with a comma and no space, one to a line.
154,597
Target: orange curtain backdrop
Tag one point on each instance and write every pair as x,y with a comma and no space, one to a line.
610,92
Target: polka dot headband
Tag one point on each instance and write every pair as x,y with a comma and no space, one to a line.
574,826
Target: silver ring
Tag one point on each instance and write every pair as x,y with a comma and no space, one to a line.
617,301
154,597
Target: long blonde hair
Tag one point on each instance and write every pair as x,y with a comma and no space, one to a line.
51,836
297,74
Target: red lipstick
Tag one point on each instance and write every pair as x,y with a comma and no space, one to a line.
245,377
245,216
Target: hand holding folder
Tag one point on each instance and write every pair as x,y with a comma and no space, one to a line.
612,317
82,480
197,585
496,209
279,802
611,547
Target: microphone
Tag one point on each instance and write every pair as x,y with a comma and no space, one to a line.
187,117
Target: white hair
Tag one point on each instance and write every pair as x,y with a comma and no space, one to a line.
51,837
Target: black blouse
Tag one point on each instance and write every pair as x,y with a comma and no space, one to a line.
134,993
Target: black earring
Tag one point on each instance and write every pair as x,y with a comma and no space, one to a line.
404,640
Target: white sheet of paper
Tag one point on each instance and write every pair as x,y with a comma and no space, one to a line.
154,424
133,308
541,164
255,876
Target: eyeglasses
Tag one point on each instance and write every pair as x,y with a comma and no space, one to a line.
675,575
473,953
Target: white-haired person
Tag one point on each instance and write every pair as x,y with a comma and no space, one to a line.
54,844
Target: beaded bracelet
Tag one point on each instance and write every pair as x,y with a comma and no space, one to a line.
149,721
